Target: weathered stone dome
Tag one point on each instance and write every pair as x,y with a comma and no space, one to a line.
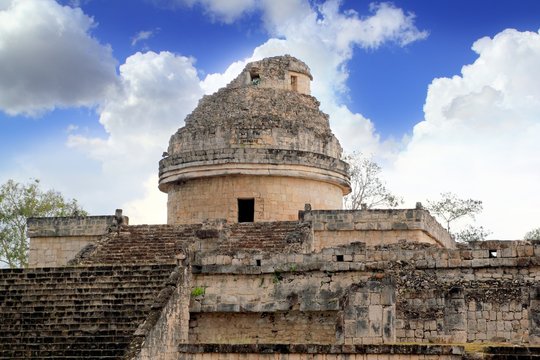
264,123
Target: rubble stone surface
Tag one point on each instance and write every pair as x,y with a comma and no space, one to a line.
266,134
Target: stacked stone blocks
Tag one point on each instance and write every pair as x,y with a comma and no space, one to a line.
75,312
55,240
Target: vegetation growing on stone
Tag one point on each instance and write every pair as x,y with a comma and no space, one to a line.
197,291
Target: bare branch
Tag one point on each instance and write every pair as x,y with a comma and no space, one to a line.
532,235
367,186
450,208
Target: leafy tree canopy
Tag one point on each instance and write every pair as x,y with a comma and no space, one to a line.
19,202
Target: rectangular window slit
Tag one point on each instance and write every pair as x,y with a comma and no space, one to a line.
339,257
294,83
246,210
492,253
258,262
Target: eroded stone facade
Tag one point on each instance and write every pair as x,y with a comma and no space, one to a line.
54,241
245,139
300,280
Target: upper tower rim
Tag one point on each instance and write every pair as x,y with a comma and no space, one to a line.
263,123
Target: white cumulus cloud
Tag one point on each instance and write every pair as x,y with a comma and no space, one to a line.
226,11
49,58
142,35
156,92
480,137
325,37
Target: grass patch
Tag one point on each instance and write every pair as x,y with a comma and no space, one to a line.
197,291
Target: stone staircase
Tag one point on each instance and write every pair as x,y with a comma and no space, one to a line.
265,236
150,244
159,244
88,312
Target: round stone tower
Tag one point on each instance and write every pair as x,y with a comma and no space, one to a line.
256,150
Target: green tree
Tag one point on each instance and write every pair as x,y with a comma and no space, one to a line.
472,233
450,208
19,202
367,187
534,234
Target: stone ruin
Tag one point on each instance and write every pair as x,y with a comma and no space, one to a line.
244,269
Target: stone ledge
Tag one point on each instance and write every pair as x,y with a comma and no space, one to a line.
415,349
71,226
251,155
512,350
334,265
261,161
379,219
172,175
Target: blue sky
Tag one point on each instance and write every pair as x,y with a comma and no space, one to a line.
442,93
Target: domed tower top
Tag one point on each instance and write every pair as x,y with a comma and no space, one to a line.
280,72
260,143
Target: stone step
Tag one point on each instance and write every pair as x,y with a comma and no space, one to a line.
88,312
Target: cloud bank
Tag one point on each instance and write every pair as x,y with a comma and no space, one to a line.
480,137
157,90
49,58
325,37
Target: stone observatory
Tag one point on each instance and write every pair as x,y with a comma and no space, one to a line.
257,150
277,280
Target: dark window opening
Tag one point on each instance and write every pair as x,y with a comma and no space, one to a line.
492,253
255,78
258,262
294,83
339,257
246,210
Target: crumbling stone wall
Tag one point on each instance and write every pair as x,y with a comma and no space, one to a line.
276,72
56,240
374,227
249,138
256,118
404,293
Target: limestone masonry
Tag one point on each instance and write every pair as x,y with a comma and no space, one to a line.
262,137
258,261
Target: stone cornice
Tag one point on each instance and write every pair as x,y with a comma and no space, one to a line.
172,174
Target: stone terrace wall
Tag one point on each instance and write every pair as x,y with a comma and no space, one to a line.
275,197
320,352
373,227
420,293
55,240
